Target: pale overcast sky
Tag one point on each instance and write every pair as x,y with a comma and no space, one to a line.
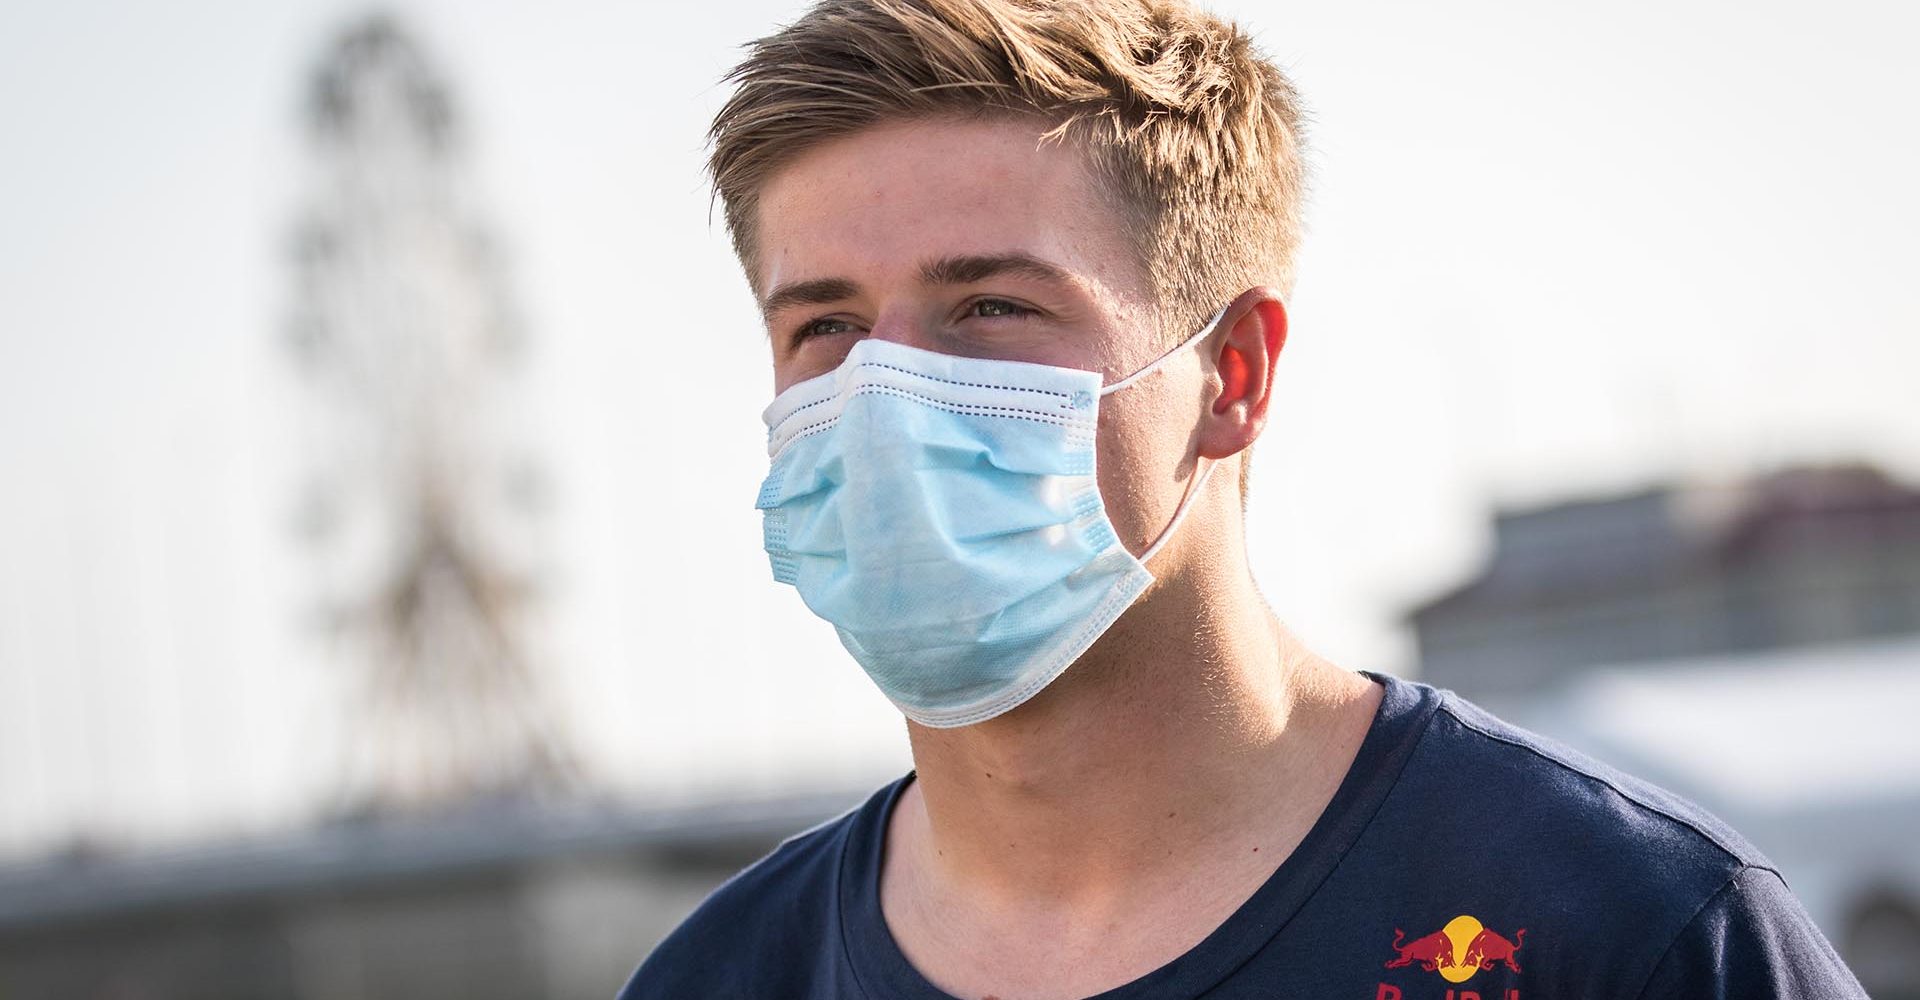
1555,250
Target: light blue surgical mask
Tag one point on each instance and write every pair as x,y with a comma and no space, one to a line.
943,513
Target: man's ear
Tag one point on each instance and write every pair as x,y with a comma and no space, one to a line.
1256,330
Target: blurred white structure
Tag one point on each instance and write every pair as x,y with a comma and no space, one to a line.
423,495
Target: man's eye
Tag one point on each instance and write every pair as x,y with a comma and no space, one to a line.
820,328
997,307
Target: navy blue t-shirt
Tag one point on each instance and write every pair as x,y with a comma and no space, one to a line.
1461,859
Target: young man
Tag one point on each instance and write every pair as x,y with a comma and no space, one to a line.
994,241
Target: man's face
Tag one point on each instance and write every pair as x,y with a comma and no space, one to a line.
971,239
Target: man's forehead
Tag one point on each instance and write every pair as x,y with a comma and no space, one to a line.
902,199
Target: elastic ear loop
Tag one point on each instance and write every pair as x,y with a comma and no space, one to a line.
1199,478
1179,513
1154,365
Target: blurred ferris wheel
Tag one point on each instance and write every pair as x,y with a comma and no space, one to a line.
422,497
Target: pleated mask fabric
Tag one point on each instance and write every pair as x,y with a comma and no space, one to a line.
944,515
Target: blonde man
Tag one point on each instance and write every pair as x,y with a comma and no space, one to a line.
1024,266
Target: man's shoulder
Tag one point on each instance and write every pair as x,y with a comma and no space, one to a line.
797,874
1618,885
776,910
1536,781
1488,811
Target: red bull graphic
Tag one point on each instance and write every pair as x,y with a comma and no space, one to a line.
1457,951
1433,952
1489,948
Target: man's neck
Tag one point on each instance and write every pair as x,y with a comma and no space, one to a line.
1197,733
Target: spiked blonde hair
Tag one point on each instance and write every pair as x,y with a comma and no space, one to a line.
1193,134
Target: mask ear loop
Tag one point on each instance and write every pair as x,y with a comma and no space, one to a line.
1199,478
1155,364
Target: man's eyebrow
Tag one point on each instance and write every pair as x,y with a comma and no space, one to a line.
956,270
979,267
814,292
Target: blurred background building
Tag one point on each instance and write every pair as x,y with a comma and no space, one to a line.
373,622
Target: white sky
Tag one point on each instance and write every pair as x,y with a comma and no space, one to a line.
1554,250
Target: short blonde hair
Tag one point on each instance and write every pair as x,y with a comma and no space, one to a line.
1193,134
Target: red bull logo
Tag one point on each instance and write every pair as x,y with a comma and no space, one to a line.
1458,951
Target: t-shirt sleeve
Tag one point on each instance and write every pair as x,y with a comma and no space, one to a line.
1754,940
